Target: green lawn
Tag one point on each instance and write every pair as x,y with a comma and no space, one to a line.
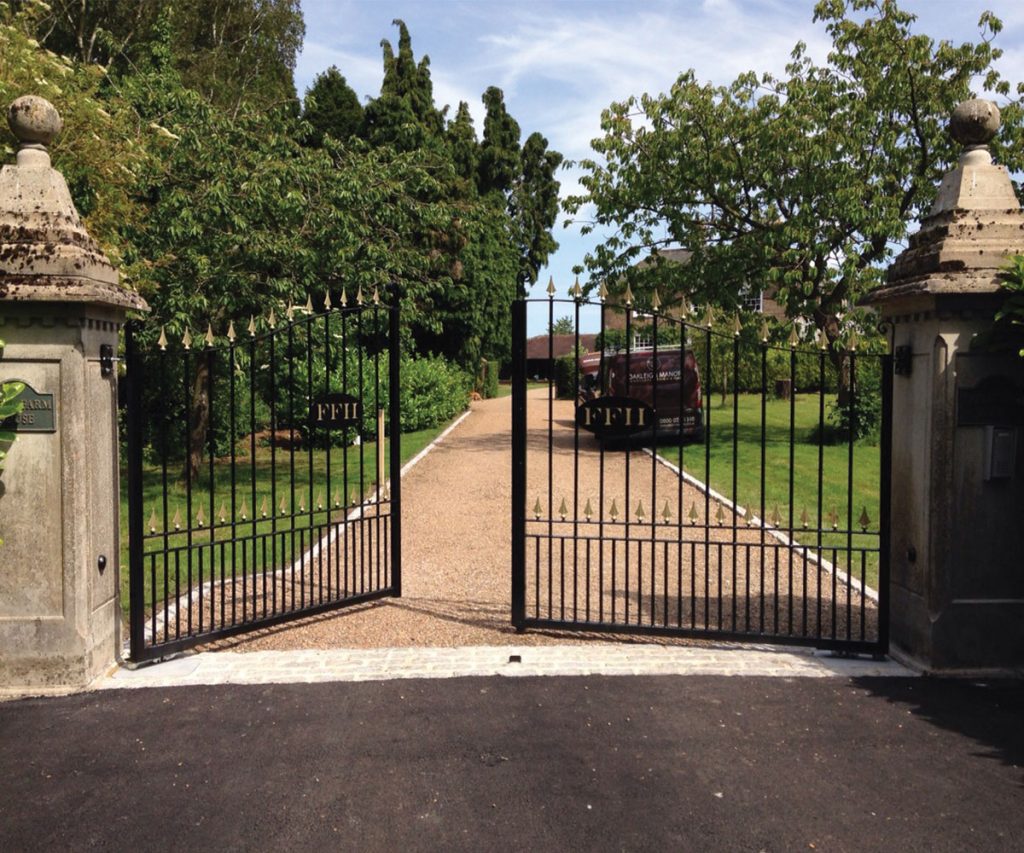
781,479
282,503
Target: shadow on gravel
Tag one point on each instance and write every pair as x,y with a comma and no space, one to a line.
989,713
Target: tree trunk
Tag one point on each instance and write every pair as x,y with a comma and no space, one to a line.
829,326
199,422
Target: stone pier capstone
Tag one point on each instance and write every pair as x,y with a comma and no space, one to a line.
957,558
61,309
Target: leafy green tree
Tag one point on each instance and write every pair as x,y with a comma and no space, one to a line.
90,31
534,207
562,326
231,51
499,151
805,184
465,150
1010,319
103,147
404,114
332,107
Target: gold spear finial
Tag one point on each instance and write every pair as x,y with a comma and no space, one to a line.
327,300
627,297
209,335
162,342
551,287
252,326
186,339
231,331
655,301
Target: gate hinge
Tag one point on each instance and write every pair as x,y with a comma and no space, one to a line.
106,360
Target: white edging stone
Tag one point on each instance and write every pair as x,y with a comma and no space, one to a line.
774,532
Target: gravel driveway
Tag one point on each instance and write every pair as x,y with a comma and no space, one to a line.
456,572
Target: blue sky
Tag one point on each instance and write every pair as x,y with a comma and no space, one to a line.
561,62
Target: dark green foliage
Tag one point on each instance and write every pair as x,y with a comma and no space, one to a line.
534,208
462,143
433,391
564,377
404,115
488,384
332,108
499,152
1009,328
233,52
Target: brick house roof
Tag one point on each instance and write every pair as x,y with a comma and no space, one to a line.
539,347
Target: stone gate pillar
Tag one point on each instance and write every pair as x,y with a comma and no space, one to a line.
61,308
957,580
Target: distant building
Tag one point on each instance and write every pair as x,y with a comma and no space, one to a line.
541,349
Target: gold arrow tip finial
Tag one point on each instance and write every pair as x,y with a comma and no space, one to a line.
551,287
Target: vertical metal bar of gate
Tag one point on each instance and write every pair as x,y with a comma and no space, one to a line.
519,464
137,613
885,506
395,426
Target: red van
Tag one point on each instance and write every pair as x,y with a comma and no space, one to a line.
669,384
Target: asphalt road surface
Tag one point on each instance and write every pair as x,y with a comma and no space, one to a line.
630,763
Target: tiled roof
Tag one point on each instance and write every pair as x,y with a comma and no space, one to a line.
543,345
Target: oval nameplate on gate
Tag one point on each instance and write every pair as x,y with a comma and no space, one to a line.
614,416
334,411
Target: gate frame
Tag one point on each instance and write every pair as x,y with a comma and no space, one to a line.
877,648
139,651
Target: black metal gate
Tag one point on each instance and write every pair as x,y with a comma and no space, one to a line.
686,480
259,465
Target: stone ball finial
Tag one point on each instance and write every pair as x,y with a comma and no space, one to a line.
974,122
34,120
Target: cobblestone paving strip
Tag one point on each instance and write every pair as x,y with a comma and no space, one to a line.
323,665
